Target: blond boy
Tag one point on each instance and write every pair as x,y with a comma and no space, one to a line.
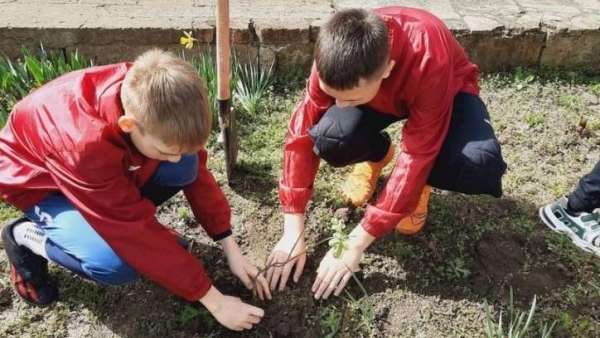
89,156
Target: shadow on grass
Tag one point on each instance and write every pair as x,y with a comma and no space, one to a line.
477,248
255,181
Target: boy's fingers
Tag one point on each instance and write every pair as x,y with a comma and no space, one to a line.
275,278
299,268
253,319
246,281
334,283
343,283
255,311
269,272
264,285
285,275
259,292
317,282
325,283
246,325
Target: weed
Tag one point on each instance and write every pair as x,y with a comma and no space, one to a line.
184,214
595,88
455,269
366,313
518,323
534,119
523,78
577,328
206,65
253,85
339,240
571,102
188,313
330,321
18,78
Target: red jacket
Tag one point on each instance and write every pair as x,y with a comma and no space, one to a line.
431,68
64,138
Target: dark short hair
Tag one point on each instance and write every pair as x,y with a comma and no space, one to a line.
353,44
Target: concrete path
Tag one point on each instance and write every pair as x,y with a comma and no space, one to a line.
497,34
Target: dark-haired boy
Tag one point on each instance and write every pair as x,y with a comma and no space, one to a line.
373,68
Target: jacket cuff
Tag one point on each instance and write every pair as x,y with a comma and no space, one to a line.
379,222
201,291
294,200
217,225
222,235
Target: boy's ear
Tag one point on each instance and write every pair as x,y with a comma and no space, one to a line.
127,123
388,68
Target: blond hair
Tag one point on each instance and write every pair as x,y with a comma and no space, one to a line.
165,94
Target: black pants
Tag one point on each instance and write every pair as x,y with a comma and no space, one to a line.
587,195
470,160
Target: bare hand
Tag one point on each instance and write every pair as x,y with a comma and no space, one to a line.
289,253
244,270
334,273
231,312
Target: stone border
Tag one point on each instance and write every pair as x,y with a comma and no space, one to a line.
525,34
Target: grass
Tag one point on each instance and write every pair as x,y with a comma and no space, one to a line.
424,285
32,70
248,83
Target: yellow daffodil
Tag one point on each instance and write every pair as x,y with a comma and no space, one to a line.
187,40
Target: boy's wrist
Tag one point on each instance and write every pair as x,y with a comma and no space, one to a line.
293,224
229,245
211,300
359,238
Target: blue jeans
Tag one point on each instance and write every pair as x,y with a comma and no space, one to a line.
74,244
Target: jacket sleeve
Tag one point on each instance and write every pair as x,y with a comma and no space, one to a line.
300,164
208,202
92,178
422,138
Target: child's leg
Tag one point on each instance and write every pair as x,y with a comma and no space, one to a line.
573,215
74,244
65,237
470,160
586,197
351,135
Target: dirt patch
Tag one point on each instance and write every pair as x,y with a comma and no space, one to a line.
540,281
501,262
499,255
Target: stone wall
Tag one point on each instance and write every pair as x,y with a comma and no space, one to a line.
498,35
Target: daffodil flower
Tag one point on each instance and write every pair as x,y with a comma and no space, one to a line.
187,40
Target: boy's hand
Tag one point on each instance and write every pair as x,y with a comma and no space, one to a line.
334,273
246,272
231,312
291,248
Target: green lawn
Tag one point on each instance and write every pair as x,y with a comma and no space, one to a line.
472,252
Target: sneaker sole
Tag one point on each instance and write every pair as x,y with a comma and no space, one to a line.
12,259
551,222
26,300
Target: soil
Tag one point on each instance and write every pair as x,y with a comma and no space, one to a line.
472,251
